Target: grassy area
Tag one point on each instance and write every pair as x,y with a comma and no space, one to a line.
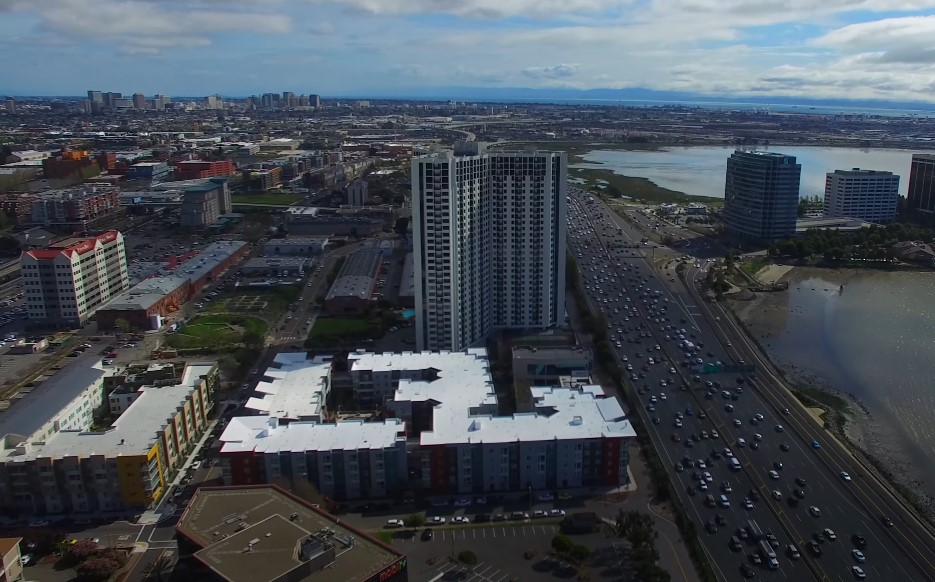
276,299
753,266
637,189
334,331
215,331
266,198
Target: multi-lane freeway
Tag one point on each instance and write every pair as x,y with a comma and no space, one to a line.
826,516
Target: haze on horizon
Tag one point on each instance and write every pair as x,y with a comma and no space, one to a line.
823,49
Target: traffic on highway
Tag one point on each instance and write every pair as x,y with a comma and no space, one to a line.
750,468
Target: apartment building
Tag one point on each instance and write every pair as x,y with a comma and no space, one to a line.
193,169
76,208
65,283
868,195
357,192
761,195
205,203
446,435
921,195
489,243
149,172
162,412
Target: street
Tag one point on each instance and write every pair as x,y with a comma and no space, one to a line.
661,331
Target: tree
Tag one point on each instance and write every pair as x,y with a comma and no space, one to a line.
562,544
579,553
253,339
468,558
82,549
414,521
123,325
97,569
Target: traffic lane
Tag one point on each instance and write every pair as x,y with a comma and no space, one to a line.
653,379
670,452
845,512
865,502
762,466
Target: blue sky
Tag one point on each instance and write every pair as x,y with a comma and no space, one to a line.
859,49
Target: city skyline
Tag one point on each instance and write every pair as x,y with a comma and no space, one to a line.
871,49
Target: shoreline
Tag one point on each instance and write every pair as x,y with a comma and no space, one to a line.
847,417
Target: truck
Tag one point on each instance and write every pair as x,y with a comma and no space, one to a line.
753,528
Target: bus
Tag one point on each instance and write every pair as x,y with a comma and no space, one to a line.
754,530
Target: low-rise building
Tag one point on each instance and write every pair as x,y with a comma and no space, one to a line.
145,304
75,209
296,388
444,403
149,172
352,290
275,267
194,169
68,281
163,410
537,366
205,203
11,560
249,534
309,221
308,246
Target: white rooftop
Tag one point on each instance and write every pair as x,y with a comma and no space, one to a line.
466,402
133,433
296,389
262,434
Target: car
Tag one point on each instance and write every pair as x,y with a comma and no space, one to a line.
757,437
829,534
814,548
800,494
737,422
463,502
886,521
729,407
711,527
748,503
720,520
519,515
774,475
800,481
746,570
26,559
394,523
814,511
460,519
858,572
427,534
845,476
793,552
759,417
538,514
777,494
784,448
779,428
545,497
859,540
858,556
40,523
777,465
816,445
557,513
436,520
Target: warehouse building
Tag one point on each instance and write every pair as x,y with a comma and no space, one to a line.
352,290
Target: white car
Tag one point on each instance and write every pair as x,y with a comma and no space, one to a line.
463,502
858,572
858,556
845,476
460,519
40,523
394,523
813,509
774,475
557,513
436,520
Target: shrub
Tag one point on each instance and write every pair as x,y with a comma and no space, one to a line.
82,549
468,558
97,569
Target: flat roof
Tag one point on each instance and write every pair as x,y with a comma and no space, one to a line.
298,241
262,434
357,275
27,414
296,389
536,353
277,523
407,282
134,431
277,261
465,402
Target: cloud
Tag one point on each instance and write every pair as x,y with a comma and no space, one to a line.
482,9
556,72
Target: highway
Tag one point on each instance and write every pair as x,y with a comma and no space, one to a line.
642,311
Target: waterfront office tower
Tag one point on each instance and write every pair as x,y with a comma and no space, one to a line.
922,183
868,195
761,195
489,248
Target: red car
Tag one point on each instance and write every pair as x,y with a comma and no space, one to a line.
112,355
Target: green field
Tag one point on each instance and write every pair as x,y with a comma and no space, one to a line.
215,331
266,198
337,330
270,302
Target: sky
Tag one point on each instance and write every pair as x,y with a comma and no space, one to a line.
828,49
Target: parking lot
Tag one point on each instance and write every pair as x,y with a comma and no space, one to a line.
494,532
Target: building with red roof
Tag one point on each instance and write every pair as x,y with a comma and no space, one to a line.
67,281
